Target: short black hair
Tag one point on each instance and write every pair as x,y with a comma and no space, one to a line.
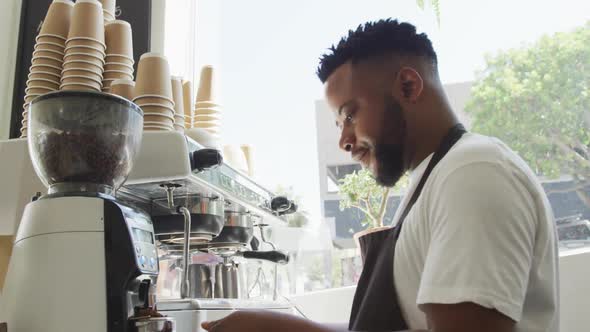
374,39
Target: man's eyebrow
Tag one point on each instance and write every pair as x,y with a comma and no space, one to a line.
344,105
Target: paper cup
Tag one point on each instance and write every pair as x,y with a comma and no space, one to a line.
38,91
123,88
50,46
119,66
119,58
42,83
108,17
79,87
206,118
213,131
117,74
153,76
45,60
94,74
58,18
207,111
155,128
179,128
206,92
51,38
88,51
248,154
87,21
158,125
109,6
89,65
119,38
153,115
206,124
153,99
206,104
44,74
177,95
82,57
85,79
155,123
159,108
155,110
49,53
187,94
46,68
31,96
85,43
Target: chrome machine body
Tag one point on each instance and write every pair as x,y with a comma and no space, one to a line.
174,173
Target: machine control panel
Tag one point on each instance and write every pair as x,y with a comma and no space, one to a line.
142,234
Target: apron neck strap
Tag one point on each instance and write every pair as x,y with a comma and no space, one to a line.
453,135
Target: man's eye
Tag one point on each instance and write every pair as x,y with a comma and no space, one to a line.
348,118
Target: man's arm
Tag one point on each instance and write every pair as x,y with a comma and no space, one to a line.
263,321
465,317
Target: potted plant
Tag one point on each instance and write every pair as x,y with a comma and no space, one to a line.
359,190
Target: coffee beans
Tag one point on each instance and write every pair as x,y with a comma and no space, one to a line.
84,157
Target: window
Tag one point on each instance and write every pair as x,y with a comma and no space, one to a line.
266,53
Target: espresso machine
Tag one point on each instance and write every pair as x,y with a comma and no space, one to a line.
122,204
82,259
205,215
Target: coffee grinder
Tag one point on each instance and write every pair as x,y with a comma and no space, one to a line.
82,260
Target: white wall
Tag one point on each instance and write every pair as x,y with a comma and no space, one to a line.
333,305
9,29
574,269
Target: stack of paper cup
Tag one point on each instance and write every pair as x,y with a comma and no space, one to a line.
124,88
108,10
153,92
207,112
48,56
187,92
248,154
85,48
119,57
234,156
178,96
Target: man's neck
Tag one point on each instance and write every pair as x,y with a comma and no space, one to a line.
431,134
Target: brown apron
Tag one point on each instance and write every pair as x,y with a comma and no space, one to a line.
375,307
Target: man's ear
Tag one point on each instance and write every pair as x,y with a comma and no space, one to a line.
408,85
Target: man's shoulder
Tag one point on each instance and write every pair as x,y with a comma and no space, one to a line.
474,149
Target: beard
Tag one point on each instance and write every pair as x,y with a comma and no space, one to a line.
390,157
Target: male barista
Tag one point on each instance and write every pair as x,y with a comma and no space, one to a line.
474,245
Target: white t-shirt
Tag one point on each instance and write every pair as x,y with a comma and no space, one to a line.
482,231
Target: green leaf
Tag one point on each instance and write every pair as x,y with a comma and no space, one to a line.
535,98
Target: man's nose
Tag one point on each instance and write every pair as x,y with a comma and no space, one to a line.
347,140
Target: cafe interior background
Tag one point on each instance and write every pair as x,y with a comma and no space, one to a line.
265,53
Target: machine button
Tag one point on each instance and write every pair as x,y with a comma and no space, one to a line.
142,260
138,249
153,262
